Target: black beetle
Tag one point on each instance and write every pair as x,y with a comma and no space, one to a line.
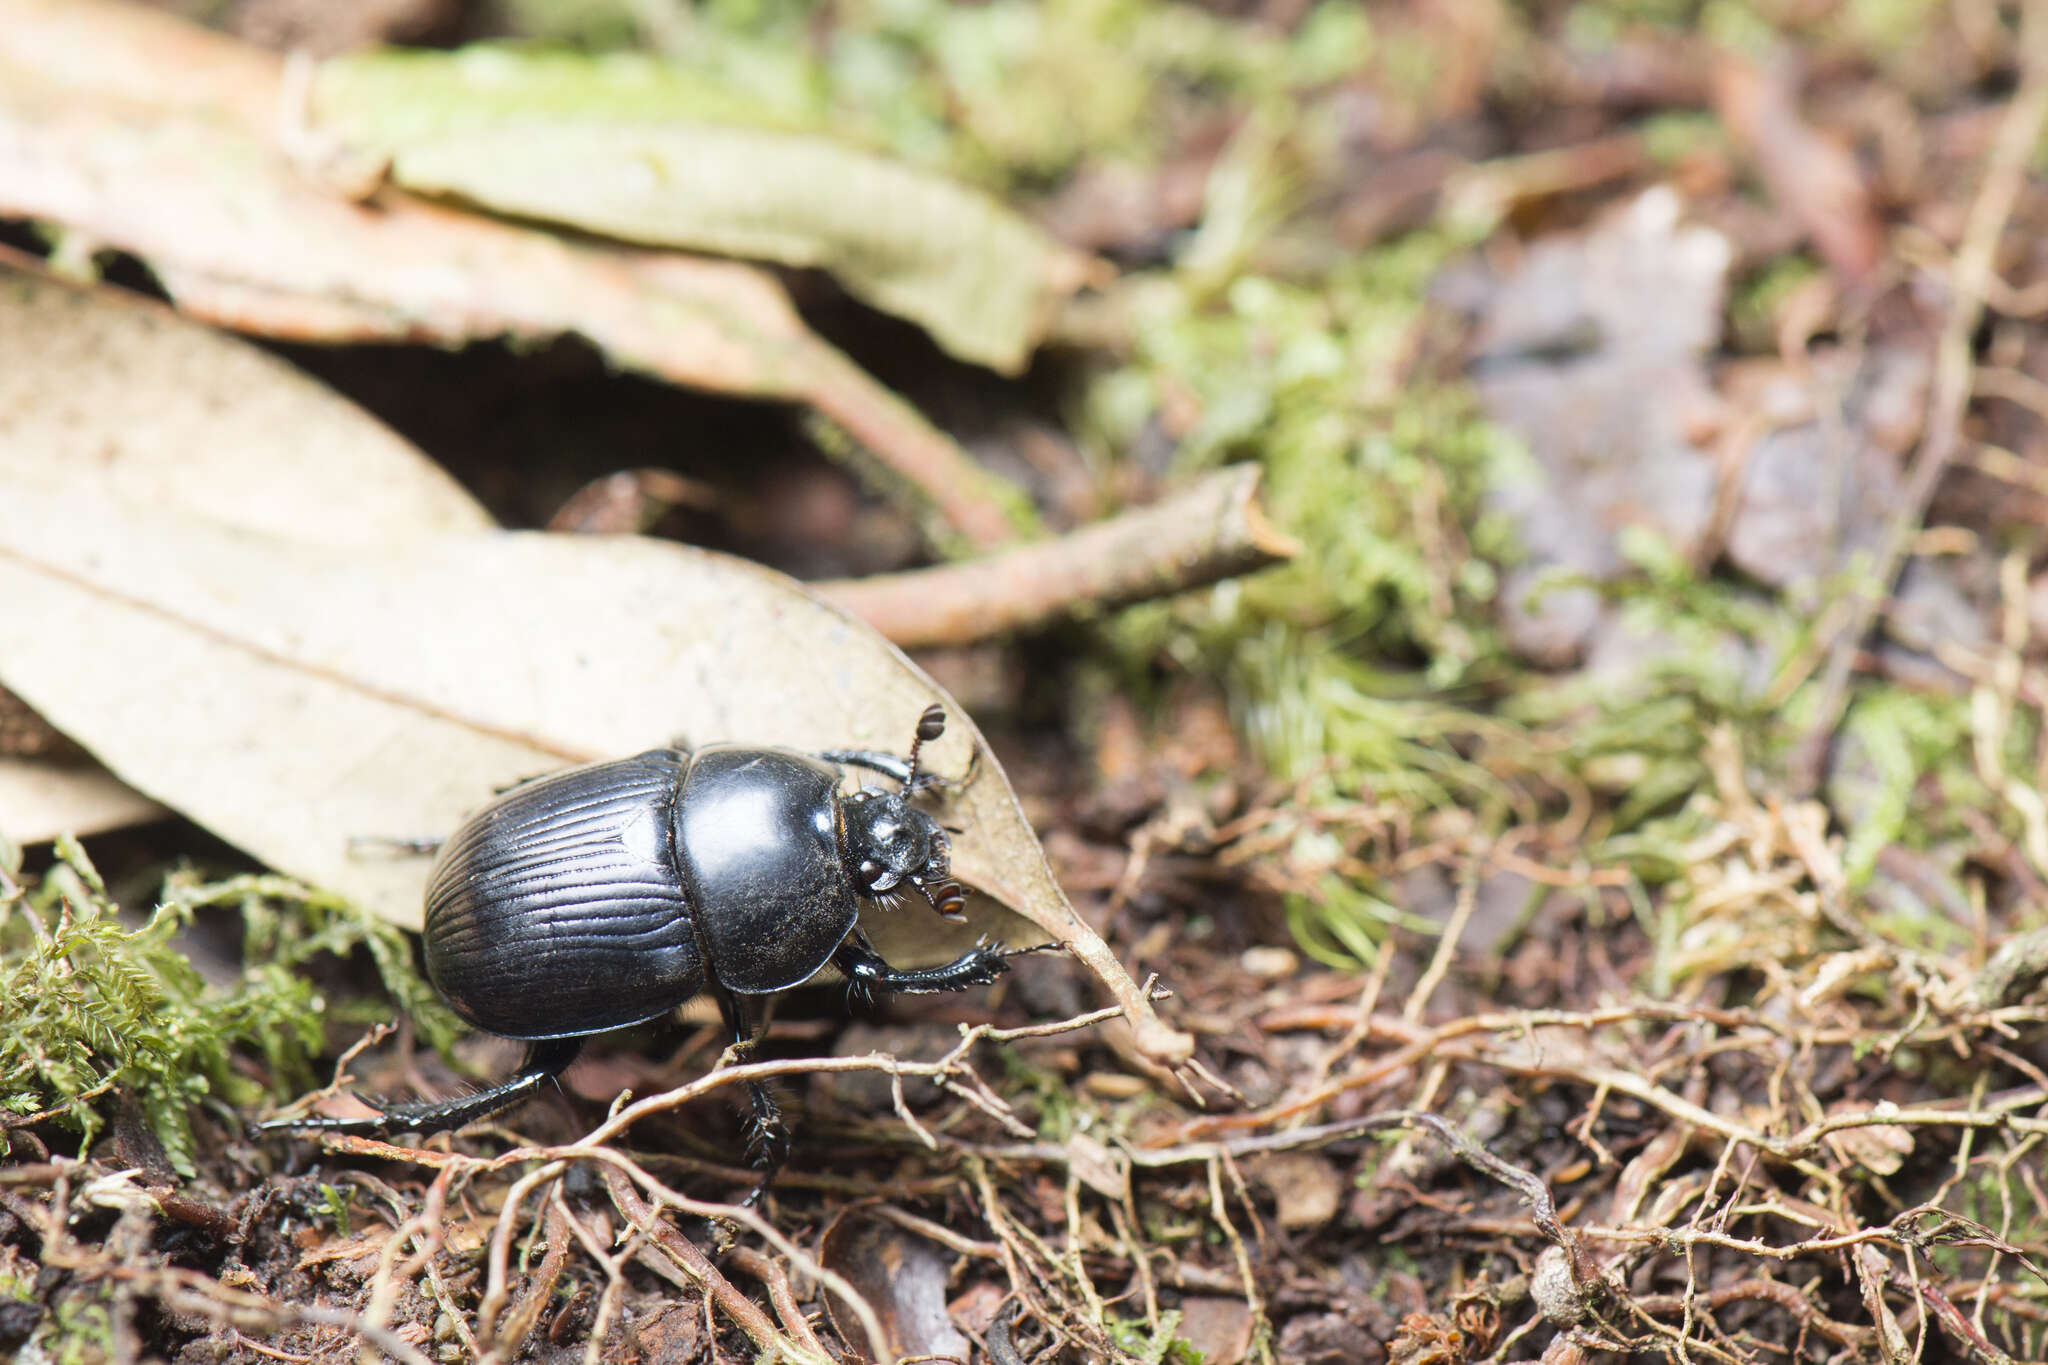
607,895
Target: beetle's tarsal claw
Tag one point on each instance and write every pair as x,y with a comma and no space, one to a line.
983,963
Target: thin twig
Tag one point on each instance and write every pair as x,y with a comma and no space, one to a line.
644,1218
787,1309
1446,945
1211,530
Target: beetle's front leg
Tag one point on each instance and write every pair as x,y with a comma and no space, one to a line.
898,767
859,963
874,760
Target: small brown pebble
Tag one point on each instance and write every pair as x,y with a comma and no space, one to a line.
1269,964
1114,1085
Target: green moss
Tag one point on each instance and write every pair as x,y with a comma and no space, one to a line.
100,1006
1350,651
335,1203
1756,301
1154,1347
1891,27
1672,136
1057,1110
79,1328
1009,93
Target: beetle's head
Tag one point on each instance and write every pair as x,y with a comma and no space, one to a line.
891,843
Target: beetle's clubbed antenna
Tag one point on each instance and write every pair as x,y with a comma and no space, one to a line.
949,900
941,893
930,726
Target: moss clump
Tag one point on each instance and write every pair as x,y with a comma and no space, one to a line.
98,1005
1155,1346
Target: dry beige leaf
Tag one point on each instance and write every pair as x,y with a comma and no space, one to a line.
1879,1148
291,696
1102,1168
1221,1329
103,392
40,800
106,392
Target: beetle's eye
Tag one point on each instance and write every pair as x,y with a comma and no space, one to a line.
869,870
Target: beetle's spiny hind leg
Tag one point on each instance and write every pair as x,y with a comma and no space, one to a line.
858,961
767,1141
767,1135
545,1060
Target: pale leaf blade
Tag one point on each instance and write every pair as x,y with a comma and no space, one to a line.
103,392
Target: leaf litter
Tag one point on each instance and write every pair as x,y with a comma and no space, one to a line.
1736,1077
619,151
177,415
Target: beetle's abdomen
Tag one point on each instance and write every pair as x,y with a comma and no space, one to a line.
758,834
557,910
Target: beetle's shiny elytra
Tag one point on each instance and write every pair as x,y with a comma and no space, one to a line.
567,907
609,894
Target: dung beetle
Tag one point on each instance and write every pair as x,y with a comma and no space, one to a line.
609,894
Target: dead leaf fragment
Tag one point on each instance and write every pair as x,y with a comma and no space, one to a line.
1813,177
903,1276
673,1334
40,800
1331,1339
1305,1186
1880,1149
115,395
1221,1329
1611,397
1819,487
1100,1167
244,231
